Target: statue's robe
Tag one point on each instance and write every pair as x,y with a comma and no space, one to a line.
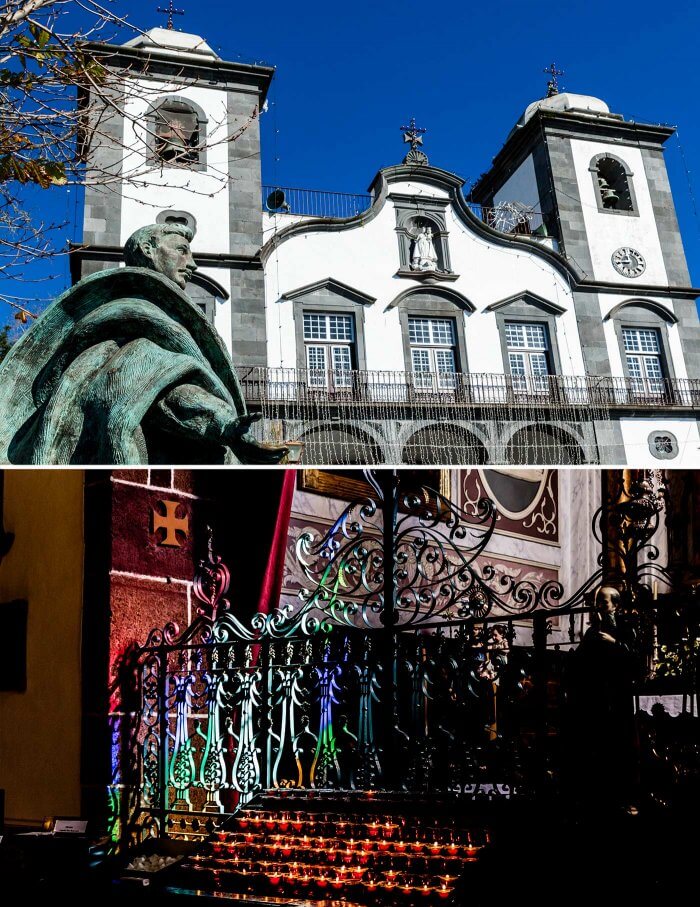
122,369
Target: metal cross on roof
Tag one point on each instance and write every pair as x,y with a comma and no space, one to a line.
170,11
553,84
413,134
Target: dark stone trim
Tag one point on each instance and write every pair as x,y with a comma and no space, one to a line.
427,276
644,319
335,286
649,304
209,284
593,170
335,307
79,253
531,299
665,216
410,304
452,297
647,288
182,69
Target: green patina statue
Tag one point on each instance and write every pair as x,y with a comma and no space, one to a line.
123,369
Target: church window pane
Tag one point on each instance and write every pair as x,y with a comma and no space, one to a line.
433,357
528,357
330,355
643,353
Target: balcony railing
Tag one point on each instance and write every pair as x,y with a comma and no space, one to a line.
510,217
314,388
313,202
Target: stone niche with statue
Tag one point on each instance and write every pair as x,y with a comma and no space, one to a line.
423,238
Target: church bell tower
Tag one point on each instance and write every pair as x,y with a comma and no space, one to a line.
180,142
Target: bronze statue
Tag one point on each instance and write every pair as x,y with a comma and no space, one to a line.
124,369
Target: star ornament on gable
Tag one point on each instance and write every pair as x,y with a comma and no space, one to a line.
414,136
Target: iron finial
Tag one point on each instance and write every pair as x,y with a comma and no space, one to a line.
170,11
553,84
414,136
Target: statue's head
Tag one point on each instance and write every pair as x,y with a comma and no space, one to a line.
607,600
164,248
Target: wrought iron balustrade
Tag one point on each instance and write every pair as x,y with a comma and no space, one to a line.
510,218
313,388
313,202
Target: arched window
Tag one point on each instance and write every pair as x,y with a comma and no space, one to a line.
177,134
612,181
641,326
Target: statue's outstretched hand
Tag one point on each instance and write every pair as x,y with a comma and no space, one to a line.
247,449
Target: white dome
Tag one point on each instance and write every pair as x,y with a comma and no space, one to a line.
169,40
566,101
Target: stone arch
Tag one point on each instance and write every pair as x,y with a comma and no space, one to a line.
340,445
613,184
176,133
442,443
650,305
544,444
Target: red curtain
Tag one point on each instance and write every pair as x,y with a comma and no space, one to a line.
271,588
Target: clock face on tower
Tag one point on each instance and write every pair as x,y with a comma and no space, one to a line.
628,262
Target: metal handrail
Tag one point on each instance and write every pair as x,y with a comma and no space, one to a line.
377,388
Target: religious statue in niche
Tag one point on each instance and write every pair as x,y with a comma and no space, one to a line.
124,369
424,256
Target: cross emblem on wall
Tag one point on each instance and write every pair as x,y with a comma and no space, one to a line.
171,523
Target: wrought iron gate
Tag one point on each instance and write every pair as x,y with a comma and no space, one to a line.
403,667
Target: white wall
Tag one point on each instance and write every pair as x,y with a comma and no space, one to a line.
609,231
203,194
635,434
367,258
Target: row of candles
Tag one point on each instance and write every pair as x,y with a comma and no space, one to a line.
385,828
336,850
302,874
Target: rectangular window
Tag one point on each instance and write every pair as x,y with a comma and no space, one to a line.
433,353
528,357
330,348
643,353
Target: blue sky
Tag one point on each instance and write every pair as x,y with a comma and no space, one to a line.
349,75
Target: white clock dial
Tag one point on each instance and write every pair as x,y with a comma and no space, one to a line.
628,262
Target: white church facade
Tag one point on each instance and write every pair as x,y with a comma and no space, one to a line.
547,318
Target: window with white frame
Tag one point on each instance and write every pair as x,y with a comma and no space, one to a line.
433,352
528,356
330,349
644,364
